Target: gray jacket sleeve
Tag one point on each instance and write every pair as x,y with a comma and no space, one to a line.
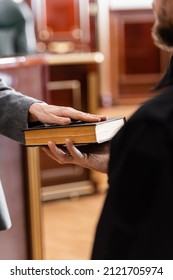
13,112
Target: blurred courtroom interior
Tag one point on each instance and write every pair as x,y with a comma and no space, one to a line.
96,56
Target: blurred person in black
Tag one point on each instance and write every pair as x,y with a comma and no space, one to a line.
136,220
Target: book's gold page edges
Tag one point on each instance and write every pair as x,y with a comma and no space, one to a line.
81,135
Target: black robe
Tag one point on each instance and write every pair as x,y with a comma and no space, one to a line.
137,217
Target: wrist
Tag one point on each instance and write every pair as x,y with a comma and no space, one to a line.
33,111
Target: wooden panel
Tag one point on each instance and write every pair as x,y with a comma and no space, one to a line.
141,55
15,243
23,80
68,73
137,64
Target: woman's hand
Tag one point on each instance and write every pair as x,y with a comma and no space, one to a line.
92,156
59,114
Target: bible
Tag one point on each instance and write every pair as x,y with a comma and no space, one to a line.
79,132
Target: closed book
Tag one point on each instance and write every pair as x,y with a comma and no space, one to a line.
79,132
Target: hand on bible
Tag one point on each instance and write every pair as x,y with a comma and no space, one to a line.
93,156
59,114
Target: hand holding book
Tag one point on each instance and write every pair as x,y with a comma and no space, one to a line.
93,156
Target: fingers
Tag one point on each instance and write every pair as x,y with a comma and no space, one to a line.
73,155
69,113
59,114
73,150
77,115
48,152
57,154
